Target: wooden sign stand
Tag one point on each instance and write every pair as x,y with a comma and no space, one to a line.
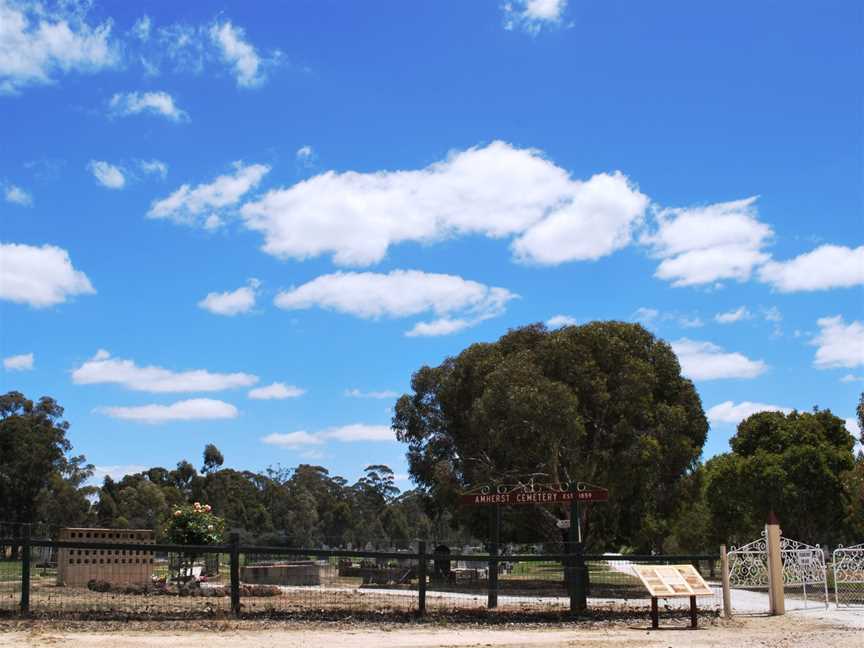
655,613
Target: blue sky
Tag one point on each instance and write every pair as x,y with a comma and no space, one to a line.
313,199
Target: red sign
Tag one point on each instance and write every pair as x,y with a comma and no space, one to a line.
518,496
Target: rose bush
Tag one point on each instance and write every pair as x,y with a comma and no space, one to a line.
193,525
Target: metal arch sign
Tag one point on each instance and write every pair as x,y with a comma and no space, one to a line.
523,494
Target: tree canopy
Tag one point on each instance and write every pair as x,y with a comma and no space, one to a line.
799,465
603,403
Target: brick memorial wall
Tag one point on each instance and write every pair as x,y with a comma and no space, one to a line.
75,567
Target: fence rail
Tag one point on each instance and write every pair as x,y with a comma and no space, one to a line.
135,578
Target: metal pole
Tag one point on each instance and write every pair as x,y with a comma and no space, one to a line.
579,572
492,600
25,570
235,572
421,578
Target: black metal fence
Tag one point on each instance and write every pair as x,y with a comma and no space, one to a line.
111,577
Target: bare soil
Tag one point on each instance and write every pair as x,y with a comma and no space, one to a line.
776,632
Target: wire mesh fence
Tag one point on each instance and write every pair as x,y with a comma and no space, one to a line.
126,574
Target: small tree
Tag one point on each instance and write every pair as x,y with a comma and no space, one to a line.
193,525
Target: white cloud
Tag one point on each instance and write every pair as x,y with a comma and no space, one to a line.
598,220
357,393
729,412
853,427
361,432
231,303
115,472
704,245
347,434
292,439
17,196
839,344
238,53
39,276
826,267
155,167
107,174
496,191
276,391
188,205
156,103
707,361
38,42
401,293
23,362
651,317
142,27
848,378
305,153
533,15
732,316
561,320
195,409
103,369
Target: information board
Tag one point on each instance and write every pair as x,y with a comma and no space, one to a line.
672,580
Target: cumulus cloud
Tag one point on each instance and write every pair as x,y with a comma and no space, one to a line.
107,174
154,167
154,103
561,320
732,316
38,42
839,344
651,317
707,361
238,53
305,153
196,205
195,409
276,391
705,245
598,220
357,393
17,196
231,303
103,369
497,191
848,378
23,362
346,434
39,276
532,16
730,412
401,293
826,267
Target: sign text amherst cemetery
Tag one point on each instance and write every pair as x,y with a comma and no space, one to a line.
533,493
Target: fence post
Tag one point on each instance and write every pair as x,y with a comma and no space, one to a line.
775,566
492,600
421,577
235,573
578,570
25,569
724,575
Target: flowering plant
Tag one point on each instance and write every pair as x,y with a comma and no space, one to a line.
193,525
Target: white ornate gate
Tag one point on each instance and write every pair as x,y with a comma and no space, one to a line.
849,575
803,566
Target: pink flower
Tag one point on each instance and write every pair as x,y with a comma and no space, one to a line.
176,513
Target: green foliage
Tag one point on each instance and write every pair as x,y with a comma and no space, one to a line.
39,480
797,465
194,525
603,403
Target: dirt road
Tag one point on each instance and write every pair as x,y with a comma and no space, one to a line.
780,632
